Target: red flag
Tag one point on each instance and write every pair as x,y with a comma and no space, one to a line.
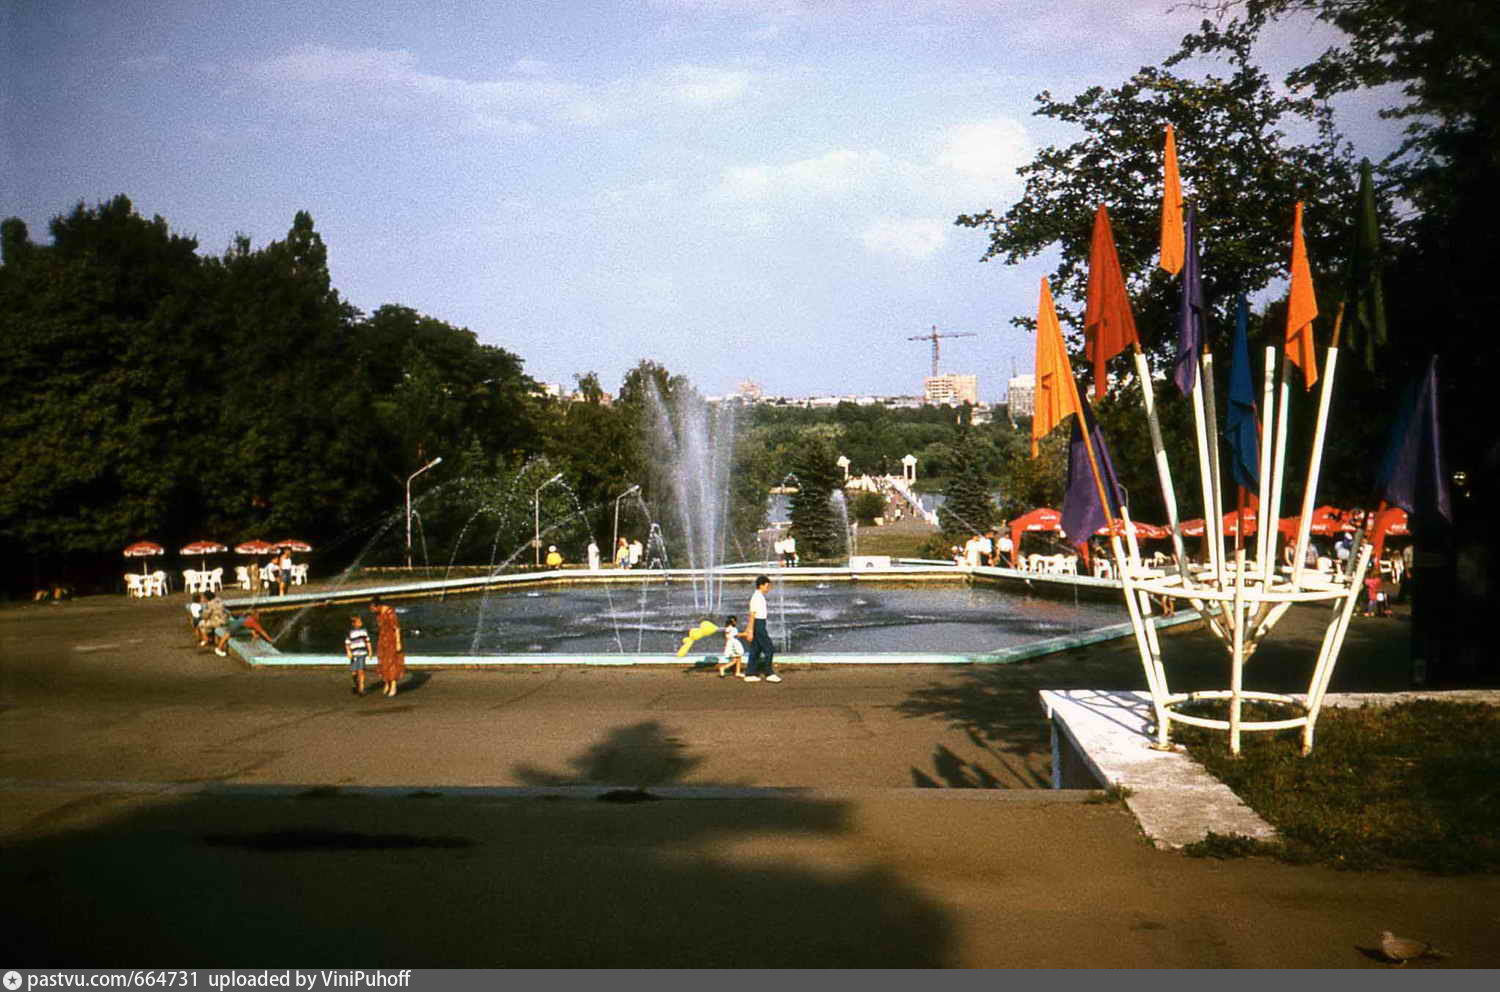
1108,325
1056,392
1301,308
1173,249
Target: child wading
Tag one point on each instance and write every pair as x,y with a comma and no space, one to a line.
357,650
734,651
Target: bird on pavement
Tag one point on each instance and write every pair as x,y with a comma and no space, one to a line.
1404,949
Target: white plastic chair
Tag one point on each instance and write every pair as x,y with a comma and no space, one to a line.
242,577
215,580
192,581
1067,565
135,584
299,575
157,585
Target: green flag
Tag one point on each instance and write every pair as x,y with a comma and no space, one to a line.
1364,315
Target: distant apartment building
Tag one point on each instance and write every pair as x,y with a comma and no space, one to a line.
950,388
1021,396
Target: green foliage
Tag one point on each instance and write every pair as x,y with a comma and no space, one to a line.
968,509
815,523
866,506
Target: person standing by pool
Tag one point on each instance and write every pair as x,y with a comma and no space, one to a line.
357,650
758,659
389,652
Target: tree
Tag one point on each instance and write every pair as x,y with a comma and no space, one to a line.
815,524
968,508
1238,168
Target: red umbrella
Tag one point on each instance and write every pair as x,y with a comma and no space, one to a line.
254,548
1193,528
292,544
1323,524
1143,531
144,550
203,548
1394,522
1042,518
1233,521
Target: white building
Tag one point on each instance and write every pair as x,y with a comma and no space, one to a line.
951,388
1021,396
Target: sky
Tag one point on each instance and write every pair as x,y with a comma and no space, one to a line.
739,190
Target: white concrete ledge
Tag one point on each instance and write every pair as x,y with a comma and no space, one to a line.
1175,800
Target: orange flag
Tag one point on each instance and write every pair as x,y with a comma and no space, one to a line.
1172,248
1301,308
1108,325
1056,390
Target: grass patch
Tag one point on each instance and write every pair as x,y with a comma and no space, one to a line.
1416,784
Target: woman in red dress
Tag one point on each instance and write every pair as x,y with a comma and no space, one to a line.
389,651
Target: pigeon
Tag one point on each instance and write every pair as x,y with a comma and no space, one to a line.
1403,949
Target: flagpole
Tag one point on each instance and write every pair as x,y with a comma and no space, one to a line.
1211,412
1159,450
1315,462
1266,542
1279,462
1204,483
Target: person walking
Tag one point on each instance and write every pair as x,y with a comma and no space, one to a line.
762,650
734,651
390,654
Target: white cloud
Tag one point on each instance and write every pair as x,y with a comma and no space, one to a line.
988,152
911,238
387,85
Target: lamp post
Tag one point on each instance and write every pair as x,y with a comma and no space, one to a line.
408,504
616,542
536,517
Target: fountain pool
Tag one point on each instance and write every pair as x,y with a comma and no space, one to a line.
812,618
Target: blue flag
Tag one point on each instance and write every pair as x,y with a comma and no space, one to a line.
1081,513
1241,430
1411,475
1189,313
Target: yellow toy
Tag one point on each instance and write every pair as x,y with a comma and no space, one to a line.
696,634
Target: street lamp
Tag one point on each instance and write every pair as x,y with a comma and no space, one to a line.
536,516
616,542
408,504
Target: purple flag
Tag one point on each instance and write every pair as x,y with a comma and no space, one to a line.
1240,428
1189,313
1081,513
1411,475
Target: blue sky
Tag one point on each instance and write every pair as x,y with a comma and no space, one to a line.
737,189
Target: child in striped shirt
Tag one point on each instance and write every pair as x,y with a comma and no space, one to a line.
357,650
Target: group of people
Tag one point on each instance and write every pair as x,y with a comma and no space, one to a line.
752,663
215,625
983,549
628,554
276,573
390,652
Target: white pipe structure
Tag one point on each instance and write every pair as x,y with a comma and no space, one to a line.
1159,451
1314,465
1242,607
1266,535
1216,484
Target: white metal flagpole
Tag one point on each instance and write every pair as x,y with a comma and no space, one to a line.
1266,544
1159,450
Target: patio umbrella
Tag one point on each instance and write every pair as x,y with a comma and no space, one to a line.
144,550
1193,528
254,548
1143,531
1233,520
292,544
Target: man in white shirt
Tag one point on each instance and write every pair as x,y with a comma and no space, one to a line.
762,650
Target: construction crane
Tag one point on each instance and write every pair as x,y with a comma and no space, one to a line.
933,337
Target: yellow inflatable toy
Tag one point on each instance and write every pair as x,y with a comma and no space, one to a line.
696,634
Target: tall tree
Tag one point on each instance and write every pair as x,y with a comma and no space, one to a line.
815,521
968,508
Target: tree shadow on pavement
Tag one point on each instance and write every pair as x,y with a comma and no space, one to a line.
423,879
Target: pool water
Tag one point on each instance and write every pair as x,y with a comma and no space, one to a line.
826,617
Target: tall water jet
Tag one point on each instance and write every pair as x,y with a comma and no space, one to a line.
695,445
